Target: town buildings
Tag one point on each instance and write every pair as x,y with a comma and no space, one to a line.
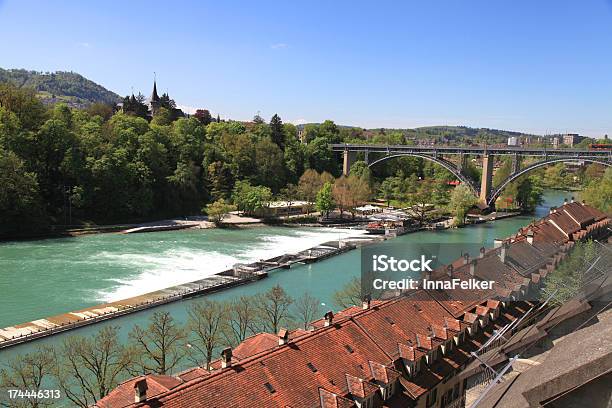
412,350
572,139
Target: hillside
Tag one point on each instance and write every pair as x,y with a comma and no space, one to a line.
461,134
442,134
68,87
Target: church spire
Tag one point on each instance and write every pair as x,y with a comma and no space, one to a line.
154,96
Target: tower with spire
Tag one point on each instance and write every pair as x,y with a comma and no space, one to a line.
154,103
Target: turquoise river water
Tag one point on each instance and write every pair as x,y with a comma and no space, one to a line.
47,277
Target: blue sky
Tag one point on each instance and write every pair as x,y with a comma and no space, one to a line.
537,66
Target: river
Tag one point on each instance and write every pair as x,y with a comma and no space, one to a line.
46,277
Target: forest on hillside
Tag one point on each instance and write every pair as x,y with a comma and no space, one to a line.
68,87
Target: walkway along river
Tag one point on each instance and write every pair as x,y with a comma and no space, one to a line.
51,271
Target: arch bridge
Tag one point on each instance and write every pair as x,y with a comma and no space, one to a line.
440,155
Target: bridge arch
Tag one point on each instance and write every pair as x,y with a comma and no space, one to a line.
444,163
497,192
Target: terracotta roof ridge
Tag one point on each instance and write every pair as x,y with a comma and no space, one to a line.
221,373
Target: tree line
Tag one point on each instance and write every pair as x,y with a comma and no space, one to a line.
63,166
73,166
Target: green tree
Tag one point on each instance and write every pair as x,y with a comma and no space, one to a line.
461,200
320,156
421,199
250,199
569,278
325,200
503,172
218,210
294,160
529,194
270,169
221,180
387,190
277,131
554,176
24,104
20,203
163,117
361,169
135,106
598,193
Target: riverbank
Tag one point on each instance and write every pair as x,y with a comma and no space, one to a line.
78,271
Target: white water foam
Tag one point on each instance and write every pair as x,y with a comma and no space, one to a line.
181,265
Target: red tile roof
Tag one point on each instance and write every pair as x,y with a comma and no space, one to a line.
255,344
382,373
359,387
123,395
330,400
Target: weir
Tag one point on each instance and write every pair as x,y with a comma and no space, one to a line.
240,274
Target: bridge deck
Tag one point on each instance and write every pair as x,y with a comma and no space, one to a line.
395,149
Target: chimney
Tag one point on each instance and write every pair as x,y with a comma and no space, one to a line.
502,253
553,209
449,270
482,252
283,336
140,390
329,318
572,199
565,201
365,304
473,267
530,237
226,357
497,243
466,258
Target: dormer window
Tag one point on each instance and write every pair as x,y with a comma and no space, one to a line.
447,347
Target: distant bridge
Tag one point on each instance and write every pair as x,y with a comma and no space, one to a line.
487,195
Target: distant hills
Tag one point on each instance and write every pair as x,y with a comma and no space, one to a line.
438,133
68,87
